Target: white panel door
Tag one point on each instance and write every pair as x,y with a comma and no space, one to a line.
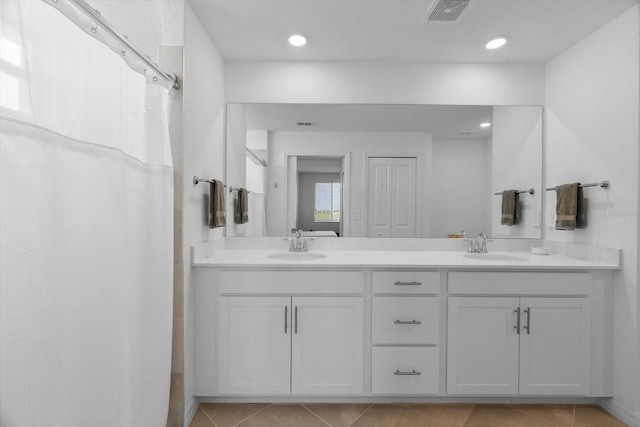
482,345
379,198
403,197
327,345
391,206
555,348
254,345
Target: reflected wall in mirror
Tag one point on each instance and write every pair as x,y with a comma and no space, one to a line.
384,170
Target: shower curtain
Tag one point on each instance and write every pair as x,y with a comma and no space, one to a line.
86,245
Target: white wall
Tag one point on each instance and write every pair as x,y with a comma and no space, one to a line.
204,124
461,176
592,128
517,156
384,83
360,145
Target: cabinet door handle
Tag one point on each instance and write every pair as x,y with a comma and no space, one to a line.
408,284
286,310
528,325
407,322
412,372
517,326
296,324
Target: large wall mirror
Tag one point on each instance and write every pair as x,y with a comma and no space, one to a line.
384,170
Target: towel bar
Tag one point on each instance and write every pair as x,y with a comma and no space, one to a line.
603,184
197,180
530,191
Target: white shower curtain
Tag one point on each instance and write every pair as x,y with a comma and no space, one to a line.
86,245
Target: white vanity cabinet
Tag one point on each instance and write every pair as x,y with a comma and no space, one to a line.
293,344
303,334
511,344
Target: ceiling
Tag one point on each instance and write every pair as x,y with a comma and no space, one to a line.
393,30
443,121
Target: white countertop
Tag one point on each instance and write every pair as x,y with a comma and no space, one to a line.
247,258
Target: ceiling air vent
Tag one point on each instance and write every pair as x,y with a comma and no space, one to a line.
446,10
466,132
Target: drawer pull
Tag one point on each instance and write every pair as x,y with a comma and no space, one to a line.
408,284
407,322
413,372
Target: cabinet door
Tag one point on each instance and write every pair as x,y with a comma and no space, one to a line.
555,349
327,345
254,345
482,345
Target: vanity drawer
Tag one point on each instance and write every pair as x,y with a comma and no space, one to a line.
406,282
291,282
518,283
405,370
406,320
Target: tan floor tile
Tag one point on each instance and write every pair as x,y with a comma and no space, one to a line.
229,415
200,420
284,416
447,415
393,416
557,415
338,415
501,416
595,416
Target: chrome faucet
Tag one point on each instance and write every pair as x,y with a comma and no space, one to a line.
478,245
298,243
481,243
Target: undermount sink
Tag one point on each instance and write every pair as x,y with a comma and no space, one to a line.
296,256
495,257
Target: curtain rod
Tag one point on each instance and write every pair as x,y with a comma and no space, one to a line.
255,158
95,16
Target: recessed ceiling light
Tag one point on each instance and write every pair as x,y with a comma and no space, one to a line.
496,43
297,40
485,125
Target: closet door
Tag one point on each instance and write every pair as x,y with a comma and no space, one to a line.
391,206
379,198
403,197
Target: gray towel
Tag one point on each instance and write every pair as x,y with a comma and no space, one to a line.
570,207
581,213
217,217
241,207
510,208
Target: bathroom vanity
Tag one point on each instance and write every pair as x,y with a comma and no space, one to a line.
376,325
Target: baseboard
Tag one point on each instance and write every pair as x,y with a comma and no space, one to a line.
627,416
398,399
191,409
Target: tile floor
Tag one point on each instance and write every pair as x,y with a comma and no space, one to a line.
401,415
